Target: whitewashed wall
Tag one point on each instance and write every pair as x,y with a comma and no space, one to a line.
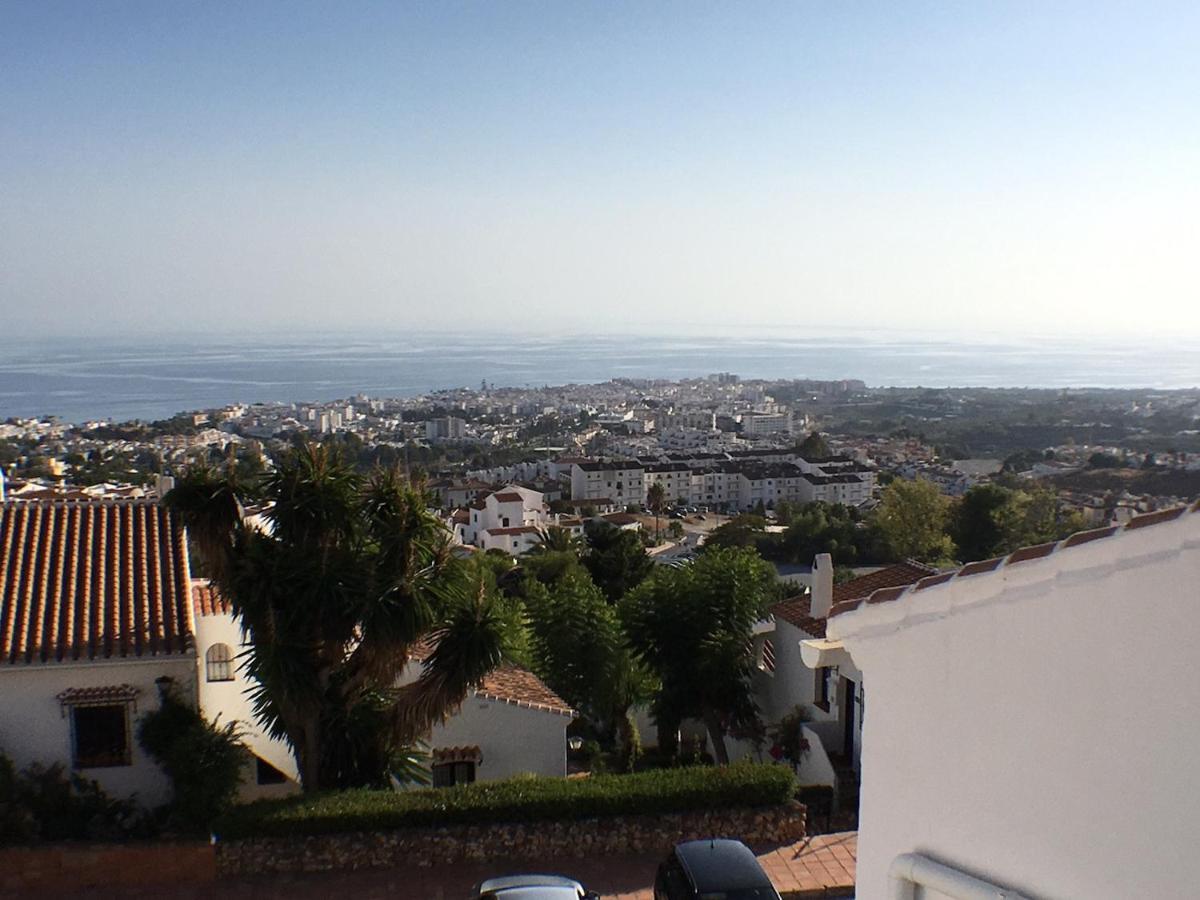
1038,726
229,701
34,728
513,740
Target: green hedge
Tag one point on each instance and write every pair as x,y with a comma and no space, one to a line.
524,799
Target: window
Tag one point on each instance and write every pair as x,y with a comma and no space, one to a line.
449,774
101,735
821,698
265,773
218,663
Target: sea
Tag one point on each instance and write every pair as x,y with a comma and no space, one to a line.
154,377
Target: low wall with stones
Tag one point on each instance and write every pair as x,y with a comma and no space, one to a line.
58,870
480,843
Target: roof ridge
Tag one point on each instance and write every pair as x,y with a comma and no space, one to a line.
1019,556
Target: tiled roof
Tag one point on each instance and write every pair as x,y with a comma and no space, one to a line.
506,683
519,529
441,755
206,601
520,687
99,579
1021,556
798,610
509,497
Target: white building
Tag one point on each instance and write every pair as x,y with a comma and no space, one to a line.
620,480
512,507
448,428
1032,719
224,690
512,724
95,616
766,423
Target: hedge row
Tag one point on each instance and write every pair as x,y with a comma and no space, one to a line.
523,799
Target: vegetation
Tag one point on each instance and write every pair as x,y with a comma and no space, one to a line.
616,559
202,759
48,803
522,799
692,626
991,520
352,574
912,519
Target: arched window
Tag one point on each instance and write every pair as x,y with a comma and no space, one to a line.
218,663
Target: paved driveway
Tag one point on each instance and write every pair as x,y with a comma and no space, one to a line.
819,866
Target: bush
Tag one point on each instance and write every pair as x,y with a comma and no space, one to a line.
516,800
203,760
47,803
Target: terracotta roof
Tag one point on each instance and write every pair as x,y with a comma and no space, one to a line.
99,579
798,610
440,755
519,529
520,687
94,696
1023,556
509,497
620,518
206,601
506,683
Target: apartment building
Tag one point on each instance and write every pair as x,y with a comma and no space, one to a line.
619,480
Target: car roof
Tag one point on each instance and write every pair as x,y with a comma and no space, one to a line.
513,882
720,864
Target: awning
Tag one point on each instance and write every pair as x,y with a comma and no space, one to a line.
818,654
446,755
98,696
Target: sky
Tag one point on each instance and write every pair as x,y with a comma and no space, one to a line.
678,168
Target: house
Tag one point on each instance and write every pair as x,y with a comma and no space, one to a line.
1032,721
95,616
804,674
511,723
510,512
225,694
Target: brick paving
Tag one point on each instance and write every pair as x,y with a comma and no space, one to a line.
818,866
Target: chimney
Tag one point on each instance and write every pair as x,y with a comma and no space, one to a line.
822,586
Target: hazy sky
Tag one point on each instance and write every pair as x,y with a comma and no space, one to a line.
1027,167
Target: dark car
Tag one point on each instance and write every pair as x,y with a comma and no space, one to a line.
533,887
712,870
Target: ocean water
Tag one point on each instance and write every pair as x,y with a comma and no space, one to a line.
153,378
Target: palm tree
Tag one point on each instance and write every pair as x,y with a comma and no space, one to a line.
351,573
556,539
656,499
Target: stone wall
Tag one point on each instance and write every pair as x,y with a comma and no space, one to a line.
478,843
62,869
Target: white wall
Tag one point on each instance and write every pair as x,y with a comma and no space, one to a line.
512,739
34,728
230,701
1038,726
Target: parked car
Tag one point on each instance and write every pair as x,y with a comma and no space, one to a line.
532,887
712,868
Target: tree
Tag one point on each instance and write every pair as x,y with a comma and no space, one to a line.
555,539
692,626
656,499
813,447
912,517
982,523
352,572
615,559
741,531
580,650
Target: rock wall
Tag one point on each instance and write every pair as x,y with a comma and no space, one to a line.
58,870
479,843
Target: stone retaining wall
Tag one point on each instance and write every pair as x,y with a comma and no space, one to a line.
478,843
62,869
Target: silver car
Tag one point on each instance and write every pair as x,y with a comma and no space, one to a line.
533,887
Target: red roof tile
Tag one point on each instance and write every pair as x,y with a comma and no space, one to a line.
99,579
509,497
798,610
1031,553
506,683
207,601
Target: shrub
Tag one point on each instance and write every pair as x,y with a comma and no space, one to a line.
48,803
202,759
516,800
